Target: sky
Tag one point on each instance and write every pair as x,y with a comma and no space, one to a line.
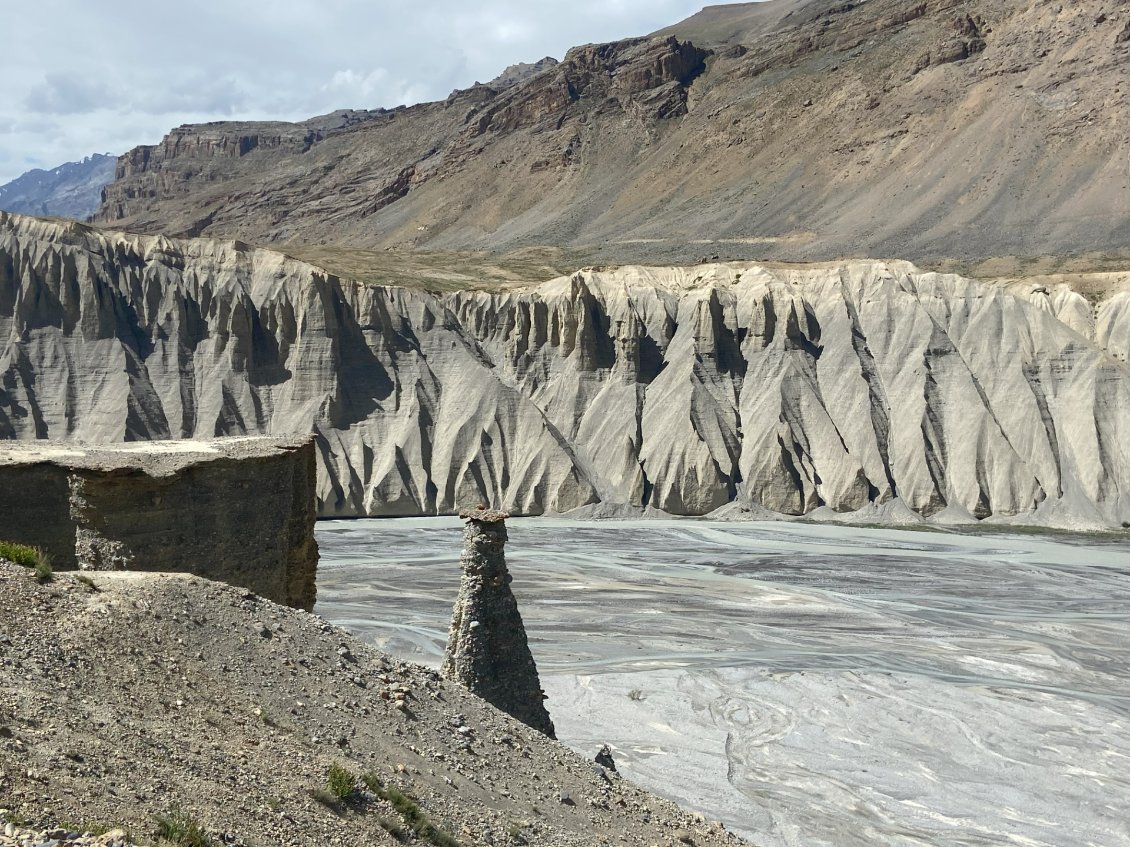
102,76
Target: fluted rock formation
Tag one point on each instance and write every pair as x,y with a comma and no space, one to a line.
837,385
131,338
487,650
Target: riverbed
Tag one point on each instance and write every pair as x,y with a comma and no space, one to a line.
806,684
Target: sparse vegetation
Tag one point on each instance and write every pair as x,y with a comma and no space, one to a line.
28,557
341,783
180,828
8,816
414,817
340,790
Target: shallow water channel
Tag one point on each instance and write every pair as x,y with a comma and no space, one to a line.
806,684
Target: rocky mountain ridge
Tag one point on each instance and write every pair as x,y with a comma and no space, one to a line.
792,129
147,172
841,386
430,141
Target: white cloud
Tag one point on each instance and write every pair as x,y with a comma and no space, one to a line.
513,32
114,80
356,85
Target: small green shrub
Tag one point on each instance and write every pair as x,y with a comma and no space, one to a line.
21,554
341,783
181,829
28,557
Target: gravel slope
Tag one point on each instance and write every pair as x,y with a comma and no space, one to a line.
126,698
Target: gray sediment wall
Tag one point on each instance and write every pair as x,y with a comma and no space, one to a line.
240,510
847,386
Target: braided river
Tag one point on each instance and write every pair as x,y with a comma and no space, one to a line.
805,684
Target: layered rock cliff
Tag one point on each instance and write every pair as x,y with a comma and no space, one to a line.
211,178
681,388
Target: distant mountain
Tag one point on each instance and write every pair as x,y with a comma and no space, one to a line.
73,190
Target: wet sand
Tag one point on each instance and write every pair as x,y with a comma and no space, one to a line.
806,684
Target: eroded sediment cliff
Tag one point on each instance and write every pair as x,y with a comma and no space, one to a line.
684,389
238,510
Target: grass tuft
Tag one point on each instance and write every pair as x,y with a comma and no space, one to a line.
415,818
181,829
14,818
28,557
43,571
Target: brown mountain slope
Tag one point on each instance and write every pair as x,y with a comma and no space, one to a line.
737,23
943,128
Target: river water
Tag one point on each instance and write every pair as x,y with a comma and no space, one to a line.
805,684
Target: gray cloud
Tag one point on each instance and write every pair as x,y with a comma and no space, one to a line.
91,77
64,93
224,96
